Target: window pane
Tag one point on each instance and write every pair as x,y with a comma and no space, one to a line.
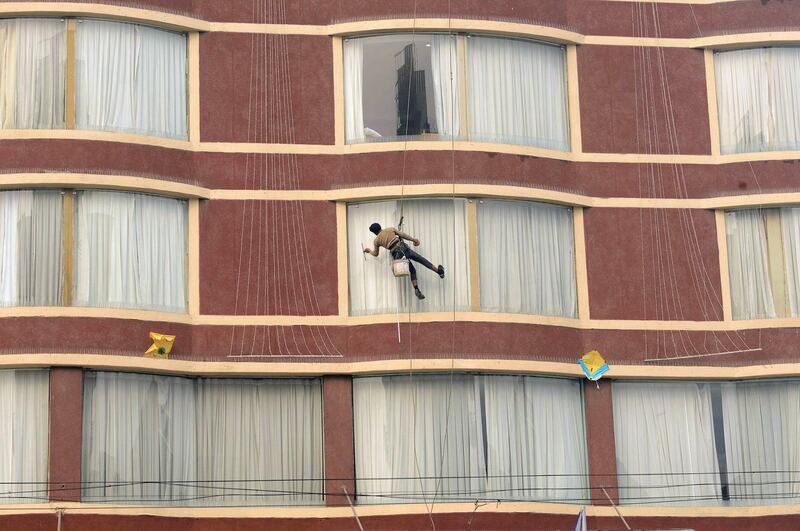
440,225
401,86
32,73
24,428
517,92
763,261
181,441
758,99
527,258
466,437
31,248
130,78
664,436
130,251
762,441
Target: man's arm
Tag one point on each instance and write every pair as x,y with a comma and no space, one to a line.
408,237
373,252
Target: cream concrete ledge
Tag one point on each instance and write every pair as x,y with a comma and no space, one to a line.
384,147
427,317
106,182
363,511
233,368
78,9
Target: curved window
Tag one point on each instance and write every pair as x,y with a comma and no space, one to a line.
127,77
707,443
524,259
24,425
464,437
445,86
128,250
758,99
763,247
201,441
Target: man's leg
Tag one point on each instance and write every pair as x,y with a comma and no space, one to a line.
413,255
413,278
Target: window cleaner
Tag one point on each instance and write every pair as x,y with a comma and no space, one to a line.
393,241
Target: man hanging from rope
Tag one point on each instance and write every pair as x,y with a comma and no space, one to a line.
393,241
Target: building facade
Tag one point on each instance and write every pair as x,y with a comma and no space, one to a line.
604,175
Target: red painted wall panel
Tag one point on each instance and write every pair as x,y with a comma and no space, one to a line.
643,100
266,88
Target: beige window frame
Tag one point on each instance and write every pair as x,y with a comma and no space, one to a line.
472,252
570,71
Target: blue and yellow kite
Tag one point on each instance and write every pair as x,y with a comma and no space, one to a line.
593,365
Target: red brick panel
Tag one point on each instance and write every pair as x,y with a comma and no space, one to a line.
337,392
672,111
66,413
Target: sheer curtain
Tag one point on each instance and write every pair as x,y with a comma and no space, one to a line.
32,73
354,90
444,71
31,243
748,265
791,249
24,427
758,99
762,441
130,78
536,444
180,441
425,432
527,258
440,225
130,251
517,92
464,437
664,436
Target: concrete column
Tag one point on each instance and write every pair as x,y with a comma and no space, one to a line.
337,412
66,421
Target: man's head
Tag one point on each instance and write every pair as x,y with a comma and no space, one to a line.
375,228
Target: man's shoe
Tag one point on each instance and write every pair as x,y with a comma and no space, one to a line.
440,270
418,293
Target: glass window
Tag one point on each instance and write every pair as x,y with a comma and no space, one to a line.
31,243
464,437
33,55
410,86
130,78
517,92
698,443
440,225
527,258
130,251
203,441
24,429
763,246
758,99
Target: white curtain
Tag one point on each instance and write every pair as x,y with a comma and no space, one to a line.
24,428
467,437
31,248
418,436
748,265
260,435
32,73
790,216
527,258
536,445
354,90
179,441
762,441
664,437
517,92
440,225
444,71
758,99
130,78
130,251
